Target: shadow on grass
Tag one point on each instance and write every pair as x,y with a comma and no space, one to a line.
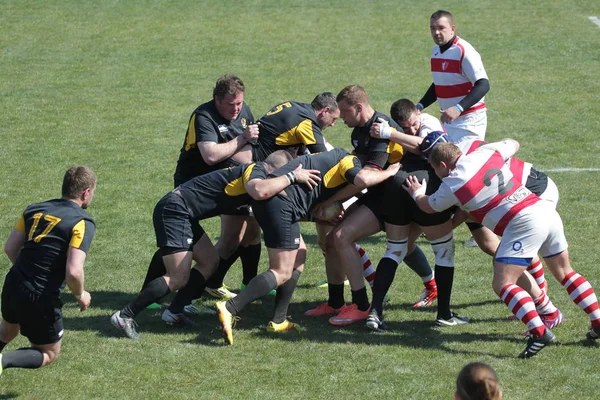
413,332
10,395
207,325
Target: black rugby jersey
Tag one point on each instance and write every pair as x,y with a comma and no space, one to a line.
207,125
50,228
217,192
338,168
288,124
372,151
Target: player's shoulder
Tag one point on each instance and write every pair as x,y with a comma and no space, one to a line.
207,110
466,46
62,208
429,123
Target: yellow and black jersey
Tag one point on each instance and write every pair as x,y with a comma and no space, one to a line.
50,229
288,124
207,125
376,152
217,192
338,168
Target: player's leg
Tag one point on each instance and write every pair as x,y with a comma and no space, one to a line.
359,224
250,249
441,238
174,236
279,323
40,320
397,244
550,315
207,260
33,357
335,277
8,332
522,238
416,261
233,228
488,242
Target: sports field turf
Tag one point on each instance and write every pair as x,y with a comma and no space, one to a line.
111,84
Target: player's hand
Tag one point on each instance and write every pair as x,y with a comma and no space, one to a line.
84,301
251,133
393,169
310,177
449,115
375,130
414,188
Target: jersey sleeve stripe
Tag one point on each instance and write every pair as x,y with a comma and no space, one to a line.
77,234
20,225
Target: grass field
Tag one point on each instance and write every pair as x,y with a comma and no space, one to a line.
111,84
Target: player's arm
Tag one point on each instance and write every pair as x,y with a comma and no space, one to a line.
441,200
428,98
81,240
14,244
207,140
507,147
370,176
213,153
265,188
74,277
479,90
408,142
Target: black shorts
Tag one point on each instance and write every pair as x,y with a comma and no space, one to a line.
280,225
398,207
39,317
373,199
244,210
172,224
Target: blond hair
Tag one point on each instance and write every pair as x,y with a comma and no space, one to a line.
444,152
353,94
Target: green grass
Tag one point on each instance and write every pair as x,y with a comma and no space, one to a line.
111,84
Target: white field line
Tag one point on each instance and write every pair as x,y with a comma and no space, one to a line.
570,169
595,20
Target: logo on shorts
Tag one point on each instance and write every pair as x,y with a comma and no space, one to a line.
297,241
60,334
190,240
517,246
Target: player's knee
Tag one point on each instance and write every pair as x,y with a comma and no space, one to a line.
251,236
443,249
179,280
396,250
342,238
50,355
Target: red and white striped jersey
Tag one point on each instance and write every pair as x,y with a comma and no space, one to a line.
518,167
454,72
429,124
484,185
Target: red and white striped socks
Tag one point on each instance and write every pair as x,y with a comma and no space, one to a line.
521,304
581,293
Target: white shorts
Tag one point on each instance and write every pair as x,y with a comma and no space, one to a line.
551,193
468,127
536,229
